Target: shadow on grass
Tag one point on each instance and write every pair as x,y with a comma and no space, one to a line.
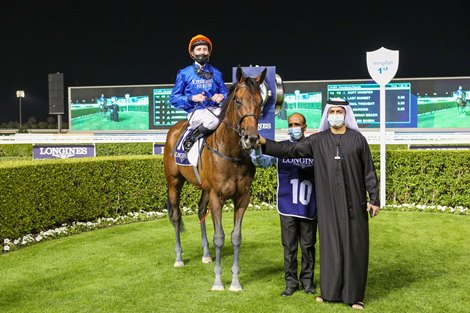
388,277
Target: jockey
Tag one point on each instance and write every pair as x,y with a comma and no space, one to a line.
460,94
199,90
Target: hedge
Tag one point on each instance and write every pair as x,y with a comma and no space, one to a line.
426,177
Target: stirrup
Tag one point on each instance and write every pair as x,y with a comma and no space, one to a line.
187,145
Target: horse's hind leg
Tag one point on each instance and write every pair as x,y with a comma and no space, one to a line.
219,238
202,210
174,213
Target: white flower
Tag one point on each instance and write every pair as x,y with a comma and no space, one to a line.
6,248
6,241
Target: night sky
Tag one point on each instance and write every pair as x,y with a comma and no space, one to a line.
145,42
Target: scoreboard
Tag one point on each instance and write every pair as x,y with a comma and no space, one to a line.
365,98
165,115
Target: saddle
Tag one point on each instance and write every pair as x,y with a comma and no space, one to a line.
192,157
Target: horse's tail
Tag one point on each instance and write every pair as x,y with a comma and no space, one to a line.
179,221
202,213
202,210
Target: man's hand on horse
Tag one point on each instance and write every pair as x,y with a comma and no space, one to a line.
217,98
261,140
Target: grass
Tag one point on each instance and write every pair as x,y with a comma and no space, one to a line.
419,262
127,121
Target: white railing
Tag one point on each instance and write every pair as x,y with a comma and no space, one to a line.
373,137
69,138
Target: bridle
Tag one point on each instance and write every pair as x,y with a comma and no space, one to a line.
236,128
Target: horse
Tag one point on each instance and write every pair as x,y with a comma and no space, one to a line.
461,104
225,172
103,109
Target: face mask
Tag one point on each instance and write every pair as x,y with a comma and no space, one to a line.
295,133
201,58
336,120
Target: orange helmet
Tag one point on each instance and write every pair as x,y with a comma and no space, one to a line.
199,40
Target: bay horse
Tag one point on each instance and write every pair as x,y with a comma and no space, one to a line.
103,109
461,104
225,172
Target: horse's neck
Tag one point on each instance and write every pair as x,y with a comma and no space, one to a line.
227,140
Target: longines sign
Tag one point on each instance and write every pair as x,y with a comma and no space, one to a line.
63,152
158,148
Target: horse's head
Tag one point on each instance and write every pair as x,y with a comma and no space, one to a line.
248,105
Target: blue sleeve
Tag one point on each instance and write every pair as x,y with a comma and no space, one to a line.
261,160
178,98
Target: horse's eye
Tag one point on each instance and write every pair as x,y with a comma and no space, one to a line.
238,101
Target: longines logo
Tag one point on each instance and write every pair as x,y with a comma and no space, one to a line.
63,152
264,126
301,162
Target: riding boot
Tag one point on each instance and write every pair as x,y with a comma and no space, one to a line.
198,133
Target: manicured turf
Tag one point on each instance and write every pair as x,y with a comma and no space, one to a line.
419,262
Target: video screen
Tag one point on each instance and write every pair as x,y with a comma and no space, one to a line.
426,103
308,103
111,108
417,103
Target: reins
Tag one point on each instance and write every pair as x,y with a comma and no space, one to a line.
235,128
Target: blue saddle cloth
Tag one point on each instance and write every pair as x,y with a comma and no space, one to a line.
181,157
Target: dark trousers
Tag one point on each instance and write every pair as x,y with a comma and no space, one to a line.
297,231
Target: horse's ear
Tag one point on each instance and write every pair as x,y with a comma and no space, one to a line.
261,77
239,74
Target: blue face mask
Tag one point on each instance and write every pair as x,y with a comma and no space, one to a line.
295,133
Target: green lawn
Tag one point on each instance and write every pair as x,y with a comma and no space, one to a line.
127,121
449,118
419,262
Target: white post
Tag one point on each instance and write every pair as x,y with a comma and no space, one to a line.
383,145
382,65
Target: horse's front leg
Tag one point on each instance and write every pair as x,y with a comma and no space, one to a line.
215,205
202,213
240,209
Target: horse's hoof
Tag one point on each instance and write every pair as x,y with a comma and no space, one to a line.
236,288
218,287
206,259
179,264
